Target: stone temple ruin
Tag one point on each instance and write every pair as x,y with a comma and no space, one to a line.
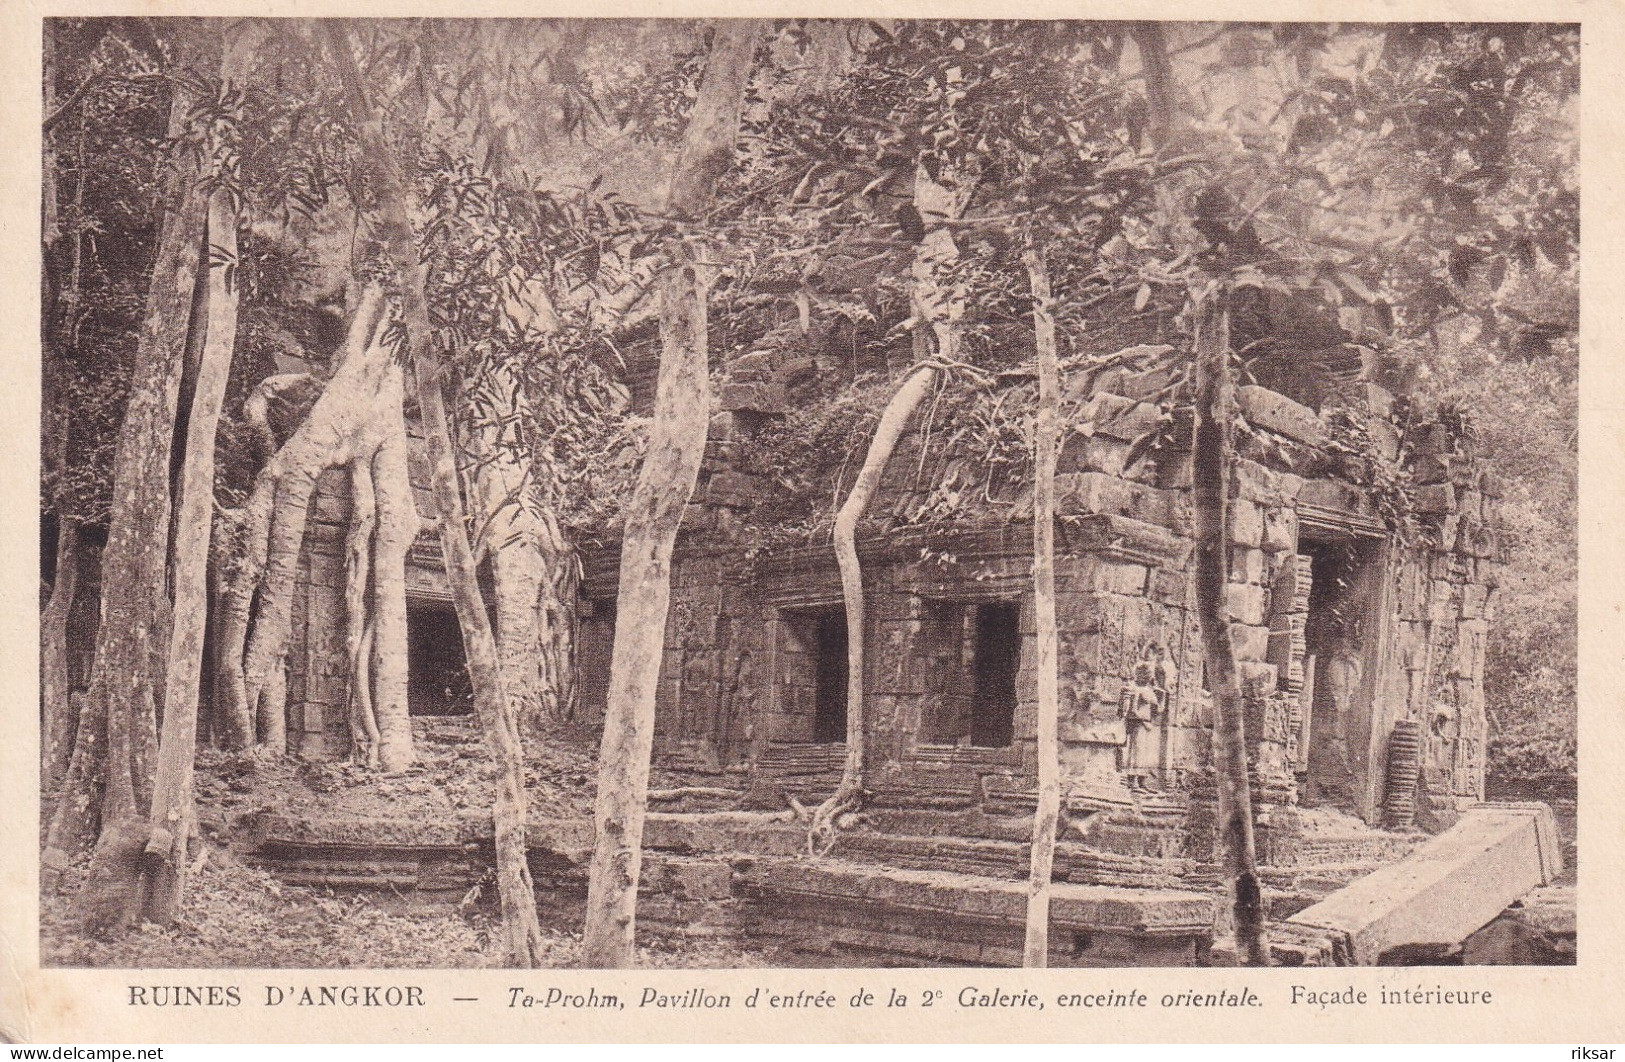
1363,569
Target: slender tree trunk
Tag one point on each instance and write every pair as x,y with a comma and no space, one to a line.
899,409
1036,953
1158,74
57,715
938,307
1213,447
118,727
665,484
1211,450
558,622
521,927
173,815
385,637
358,621
500,484
57,723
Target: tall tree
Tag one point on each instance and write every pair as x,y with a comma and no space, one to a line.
677,438
356,423
1212,456
521,928
1048,810
108,788
937,304
173,815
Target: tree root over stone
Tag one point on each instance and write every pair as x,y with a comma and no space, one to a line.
357,423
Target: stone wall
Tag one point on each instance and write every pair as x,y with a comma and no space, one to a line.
1362,569
1362,563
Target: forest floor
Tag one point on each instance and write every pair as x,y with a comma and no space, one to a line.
238,915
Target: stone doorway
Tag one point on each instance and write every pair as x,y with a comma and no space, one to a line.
1340,635
437,672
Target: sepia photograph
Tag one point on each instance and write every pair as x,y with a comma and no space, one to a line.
806,493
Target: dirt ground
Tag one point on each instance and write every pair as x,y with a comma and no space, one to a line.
237,915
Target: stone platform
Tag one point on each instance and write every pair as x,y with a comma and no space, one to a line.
876,916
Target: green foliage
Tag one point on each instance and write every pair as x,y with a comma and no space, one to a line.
1525,414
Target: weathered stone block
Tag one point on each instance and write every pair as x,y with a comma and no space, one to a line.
1441,602
1473,600
1096,492
1145,385
1448,888
794,370
1117,578
1092,453
1168,586
1267,486
1377,399
1280,531
1245,603
756,365
1121,418
1250,643
1257,679
1334,494
1384,439
1276,412
1247,565
1246,523
1435,499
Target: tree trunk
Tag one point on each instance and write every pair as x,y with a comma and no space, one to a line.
849,794
521,927
173,816
1158,74
558,623
1210,456
395,531
677,438
115,743
359,629
500,485
1036,952
937,308
357,422
57,721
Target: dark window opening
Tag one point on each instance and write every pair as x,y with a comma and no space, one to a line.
829,677
996,656
811,676
971,654
437,672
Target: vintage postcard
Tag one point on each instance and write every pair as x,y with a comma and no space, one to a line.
787,522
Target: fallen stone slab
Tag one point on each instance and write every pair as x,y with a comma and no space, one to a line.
1538,930
1445,890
